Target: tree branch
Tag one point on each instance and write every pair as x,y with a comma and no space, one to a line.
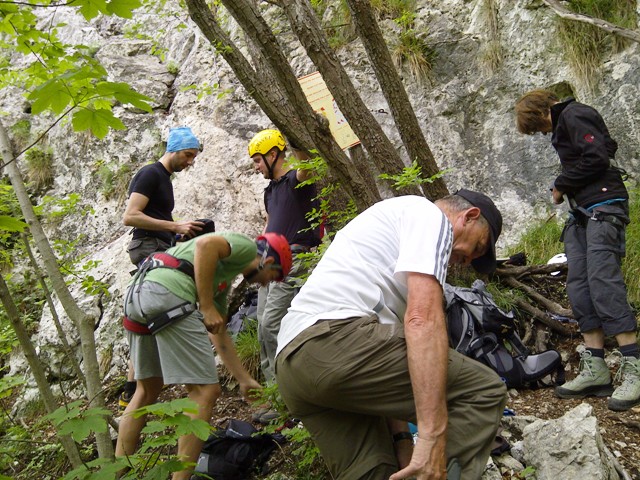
563,12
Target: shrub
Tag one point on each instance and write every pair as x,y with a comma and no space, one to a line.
586,45
39,168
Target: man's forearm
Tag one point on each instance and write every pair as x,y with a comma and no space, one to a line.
143,221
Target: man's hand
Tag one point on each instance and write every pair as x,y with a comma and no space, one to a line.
428,462
188,229
250,389
213,321
557,196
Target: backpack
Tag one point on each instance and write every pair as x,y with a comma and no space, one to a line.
247,311
235,452
479,329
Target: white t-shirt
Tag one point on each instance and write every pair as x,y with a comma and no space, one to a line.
363,273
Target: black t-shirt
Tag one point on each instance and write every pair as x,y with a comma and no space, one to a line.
154,182
287,207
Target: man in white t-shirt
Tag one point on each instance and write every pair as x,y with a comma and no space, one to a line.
364,348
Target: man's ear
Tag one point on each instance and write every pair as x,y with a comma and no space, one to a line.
269,260
472,213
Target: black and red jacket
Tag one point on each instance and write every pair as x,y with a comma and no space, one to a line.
585,148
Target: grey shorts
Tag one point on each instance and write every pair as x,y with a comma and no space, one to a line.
180,353
140,248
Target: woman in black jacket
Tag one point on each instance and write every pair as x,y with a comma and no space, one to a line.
594,239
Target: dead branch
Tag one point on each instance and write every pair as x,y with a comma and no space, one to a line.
550,305
528,333
519,272
624,421
563,12
542,317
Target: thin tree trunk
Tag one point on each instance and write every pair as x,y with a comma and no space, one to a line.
292,114
308,29
565,13
83,322
37,370
54,314
396,95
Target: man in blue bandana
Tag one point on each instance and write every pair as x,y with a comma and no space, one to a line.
151,198
151,204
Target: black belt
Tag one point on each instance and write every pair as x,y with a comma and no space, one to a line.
297,248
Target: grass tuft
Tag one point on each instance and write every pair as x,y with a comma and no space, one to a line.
586,45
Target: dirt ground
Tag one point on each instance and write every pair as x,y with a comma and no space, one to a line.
620,430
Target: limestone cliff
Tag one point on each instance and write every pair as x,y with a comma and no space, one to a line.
465,106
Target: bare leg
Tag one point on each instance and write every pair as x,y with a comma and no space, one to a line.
626,338
147,392
189,446
594,338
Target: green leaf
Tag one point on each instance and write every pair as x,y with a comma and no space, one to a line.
51,95
91,8
98,121
124,94
10,224
123,8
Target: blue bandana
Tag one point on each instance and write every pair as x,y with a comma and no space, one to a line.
181,138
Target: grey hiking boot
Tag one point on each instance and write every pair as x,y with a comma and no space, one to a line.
628,393
594,379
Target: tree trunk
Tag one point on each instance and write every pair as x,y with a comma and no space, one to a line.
308,29
396,95
38,372
83,322
291,113
54,314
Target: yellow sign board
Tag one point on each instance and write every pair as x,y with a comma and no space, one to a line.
322,102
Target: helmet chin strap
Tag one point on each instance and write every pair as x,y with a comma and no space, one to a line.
252,274
270,167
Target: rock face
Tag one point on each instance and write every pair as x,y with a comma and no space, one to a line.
570,446
466,110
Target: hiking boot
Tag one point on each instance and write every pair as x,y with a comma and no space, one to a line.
594,379
628,393
124,399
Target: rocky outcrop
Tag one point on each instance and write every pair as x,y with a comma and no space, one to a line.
466,110
567,447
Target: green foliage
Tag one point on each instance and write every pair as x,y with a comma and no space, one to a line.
586,45
203,90
8,383
392,8
540,242
411,49
20,132
114,184
305,453
173,68
60,78
40,167
153,460
28,297
8,340
631,263
53,208
248,348
411,177
79,421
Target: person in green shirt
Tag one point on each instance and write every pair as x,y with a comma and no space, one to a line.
180,352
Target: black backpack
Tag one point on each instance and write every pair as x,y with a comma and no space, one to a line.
479,329
235,452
